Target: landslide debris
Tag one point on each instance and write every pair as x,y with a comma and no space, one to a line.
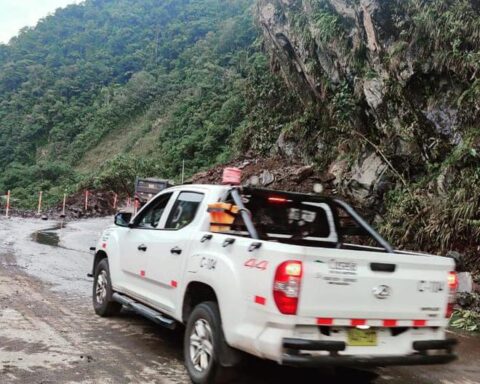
100,203
272,173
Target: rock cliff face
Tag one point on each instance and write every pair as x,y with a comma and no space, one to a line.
391,92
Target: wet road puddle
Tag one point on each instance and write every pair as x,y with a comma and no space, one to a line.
48,236
53,237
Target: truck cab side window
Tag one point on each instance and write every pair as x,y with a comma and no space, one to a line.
184,210
152,214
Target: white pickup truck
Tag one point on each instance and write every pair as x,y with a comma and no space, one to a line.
281,282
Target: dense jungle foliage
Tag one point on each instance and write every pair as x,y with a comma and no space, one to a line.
152,82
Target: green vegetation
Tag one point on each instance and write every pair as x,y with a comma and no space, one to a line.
465,319
118,172
440,211
327,21
155,81
451,29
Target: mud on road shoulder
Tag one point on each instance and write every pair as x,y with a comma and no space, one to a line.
47,337
49,334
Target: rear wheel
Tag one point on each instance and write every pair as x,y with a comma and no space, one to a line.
102,291
203,340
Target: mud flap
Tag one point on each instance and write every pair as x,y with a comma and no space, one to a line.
229,357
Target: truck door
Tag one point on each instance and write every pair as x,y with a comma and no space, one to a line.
135,246
171,247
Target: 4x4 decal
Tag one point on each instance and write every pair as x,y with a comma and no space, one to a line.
254,263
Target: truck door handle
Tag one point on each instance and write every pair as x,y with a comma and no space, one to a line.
142,247
228,242
176,250
254,246
206,237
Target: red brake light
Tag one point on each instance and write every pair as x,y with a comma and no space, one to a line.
453,280
453,286
276,199
286,286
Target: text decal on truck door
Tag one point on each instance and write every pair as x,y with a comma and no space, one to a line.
342,267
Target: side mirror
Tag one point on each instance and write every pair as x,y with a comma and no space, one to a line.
122,219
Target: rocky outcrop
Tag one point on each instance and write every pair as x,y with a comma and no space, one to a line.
366,177
394,79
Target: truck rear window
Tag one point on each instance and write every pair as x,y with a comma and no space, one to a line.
288,219
296,218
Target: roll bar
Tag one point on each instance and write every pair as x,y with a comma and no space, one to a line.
246,215
247,219
363,224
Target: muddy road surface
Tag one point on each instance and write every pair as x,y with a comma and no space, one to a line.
49,333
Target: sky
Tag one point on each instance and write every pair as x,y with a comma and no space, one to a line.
16,14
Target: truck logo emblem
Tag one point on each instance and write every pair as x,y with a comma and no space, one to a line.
382,291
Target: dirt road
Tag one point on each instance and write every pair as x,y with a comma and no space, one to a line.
49,333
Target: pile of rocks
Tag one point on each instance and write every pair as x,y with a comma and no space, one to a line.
100,203
273,173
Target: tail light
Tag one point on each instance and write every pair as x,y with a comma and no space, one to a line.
452,281
452,286
286,286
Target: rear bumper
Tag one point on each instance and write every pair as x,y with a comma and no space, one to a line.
294,354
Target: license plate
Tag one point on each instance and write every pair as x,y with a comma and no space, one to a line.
362,337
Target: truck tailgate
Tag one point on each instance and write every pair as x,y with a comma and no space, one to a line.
346,284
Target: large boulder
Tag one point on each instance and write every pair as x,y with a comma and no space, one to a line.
367,173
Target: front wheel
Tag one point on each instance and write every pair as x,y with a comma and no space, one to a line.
203,341
102,291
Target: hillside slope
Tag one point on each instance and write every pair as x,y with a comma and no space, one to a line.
155,82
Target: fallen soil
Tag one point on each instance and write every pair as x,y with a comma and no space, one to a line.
272,173
100,203
50,334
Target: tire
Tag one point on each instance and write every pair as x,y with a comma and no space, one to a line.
203,340
102,291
